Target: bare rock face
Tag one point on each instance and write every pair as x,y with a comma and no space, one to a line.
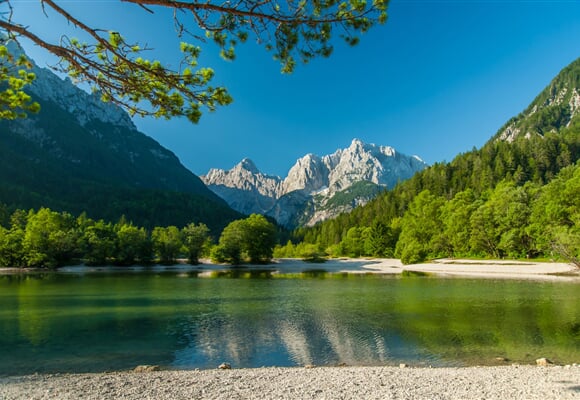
86,107
316,188
381,165
244,187
245,176
309,174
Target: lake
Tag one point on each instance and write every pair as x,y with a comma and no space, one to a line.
58,322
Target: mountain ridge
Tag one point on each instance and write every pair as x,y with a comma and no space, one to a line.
554,108
79,154
317,179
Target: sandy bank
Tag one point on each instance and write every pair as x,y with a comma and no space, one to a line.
514,382
493,269
496,269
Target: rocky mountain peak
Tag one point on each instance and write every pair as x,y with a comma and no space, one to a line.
248,190
248,165
309,174
244,187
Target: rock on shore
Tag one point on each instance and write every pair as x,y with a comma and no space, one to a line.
514,382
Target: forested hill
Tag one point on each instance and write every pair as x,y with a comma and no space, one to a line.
553,109
81,155
525,154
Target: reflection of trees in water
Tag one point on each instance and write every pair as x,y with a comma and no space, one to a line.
33,323
253,322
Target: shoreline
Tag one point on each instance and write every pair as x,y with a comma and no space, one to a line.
506,382
444,268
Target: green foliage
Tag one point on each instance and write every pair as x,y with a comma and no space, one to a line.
555,216
14,77
259,238
358,191
99,242
121,172
11,246
50,238
117,69
133,245
167,243
195,237
456,215
381,240
251,239
420,229
498,225
488,202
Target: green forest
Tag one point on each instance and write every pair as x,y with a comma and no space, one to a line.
515,200
50,239
518,197
505,200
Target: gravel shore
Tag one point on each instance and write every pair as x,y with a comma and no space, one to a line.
511,382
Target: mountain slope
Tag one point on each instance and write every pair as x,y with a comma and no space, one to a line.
553,109
532,147
316,188
244,187
79,154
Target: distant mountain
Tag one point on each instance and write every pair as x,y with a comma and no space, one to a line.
316,188
80,154
245,188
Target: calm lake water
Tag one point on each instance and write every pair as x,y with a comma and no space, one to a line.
102,322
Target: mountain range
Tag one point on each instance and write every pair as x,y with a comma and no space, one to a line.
80,154
315,188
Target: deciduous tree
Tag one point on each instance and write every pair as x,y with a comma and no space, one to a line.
167,244
194,239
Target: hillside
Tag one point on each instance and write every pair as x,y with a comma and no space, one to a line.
464,207
79,154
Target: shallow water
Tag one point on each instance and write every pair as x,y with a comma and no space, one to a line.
113,321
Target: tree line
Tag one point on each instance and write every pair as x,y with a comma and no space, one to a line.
505,200
46,238
511,221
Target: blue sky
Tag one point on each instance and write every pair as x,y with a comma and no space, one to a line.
439,78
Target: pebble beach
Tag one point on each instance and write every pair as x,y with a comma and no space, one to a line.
509,382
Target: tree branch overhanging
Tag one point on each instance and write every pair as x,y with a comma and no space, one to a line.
292,30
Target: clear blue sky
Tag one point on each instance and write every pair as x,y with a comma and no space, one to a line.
440,77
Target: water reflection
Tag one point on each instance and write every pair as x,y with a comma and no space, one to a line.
320,338
100,322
